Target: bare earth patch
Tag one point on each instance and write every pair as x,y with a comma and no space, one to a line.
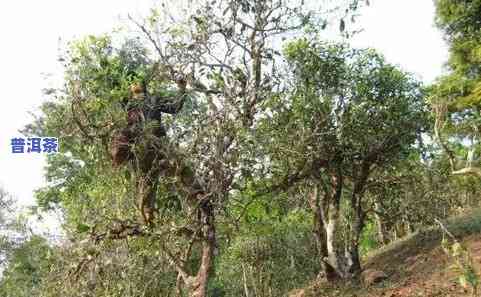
415,266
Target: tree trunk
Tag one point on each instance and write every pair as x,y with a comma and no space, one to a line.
333,256
197,286
320,235
326,221
359,216
146,195
381,227
355,266
330,212
244,280
336,260
147,168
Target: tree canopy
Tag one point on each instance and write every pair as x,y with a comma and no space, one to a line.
227,148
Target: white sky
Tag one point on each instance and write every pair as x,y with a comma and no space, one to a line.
401,29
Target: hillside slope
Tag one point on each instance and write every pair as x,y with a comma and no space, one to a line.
415,266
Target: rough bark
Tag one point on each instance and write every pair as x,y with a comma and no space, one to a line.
146,195
332,251
380,225
331,209
320,235
468,171
355,261
359,217
197,285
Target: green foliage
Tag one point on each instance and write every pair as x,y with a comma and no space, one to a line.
336,112
369,240
27,266
348,116
109,269
10,227
269,257
456,96
358,103
460,22
80,179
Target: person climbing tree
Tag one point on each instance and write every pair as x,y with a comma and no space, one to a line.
140,141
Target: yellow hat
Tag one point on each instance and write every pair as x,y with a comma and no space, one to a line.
137,90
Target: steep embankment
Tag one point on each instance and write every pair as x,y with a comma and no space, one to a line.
415,266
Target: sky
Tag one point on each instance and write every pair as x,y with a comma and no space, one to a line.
402,30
